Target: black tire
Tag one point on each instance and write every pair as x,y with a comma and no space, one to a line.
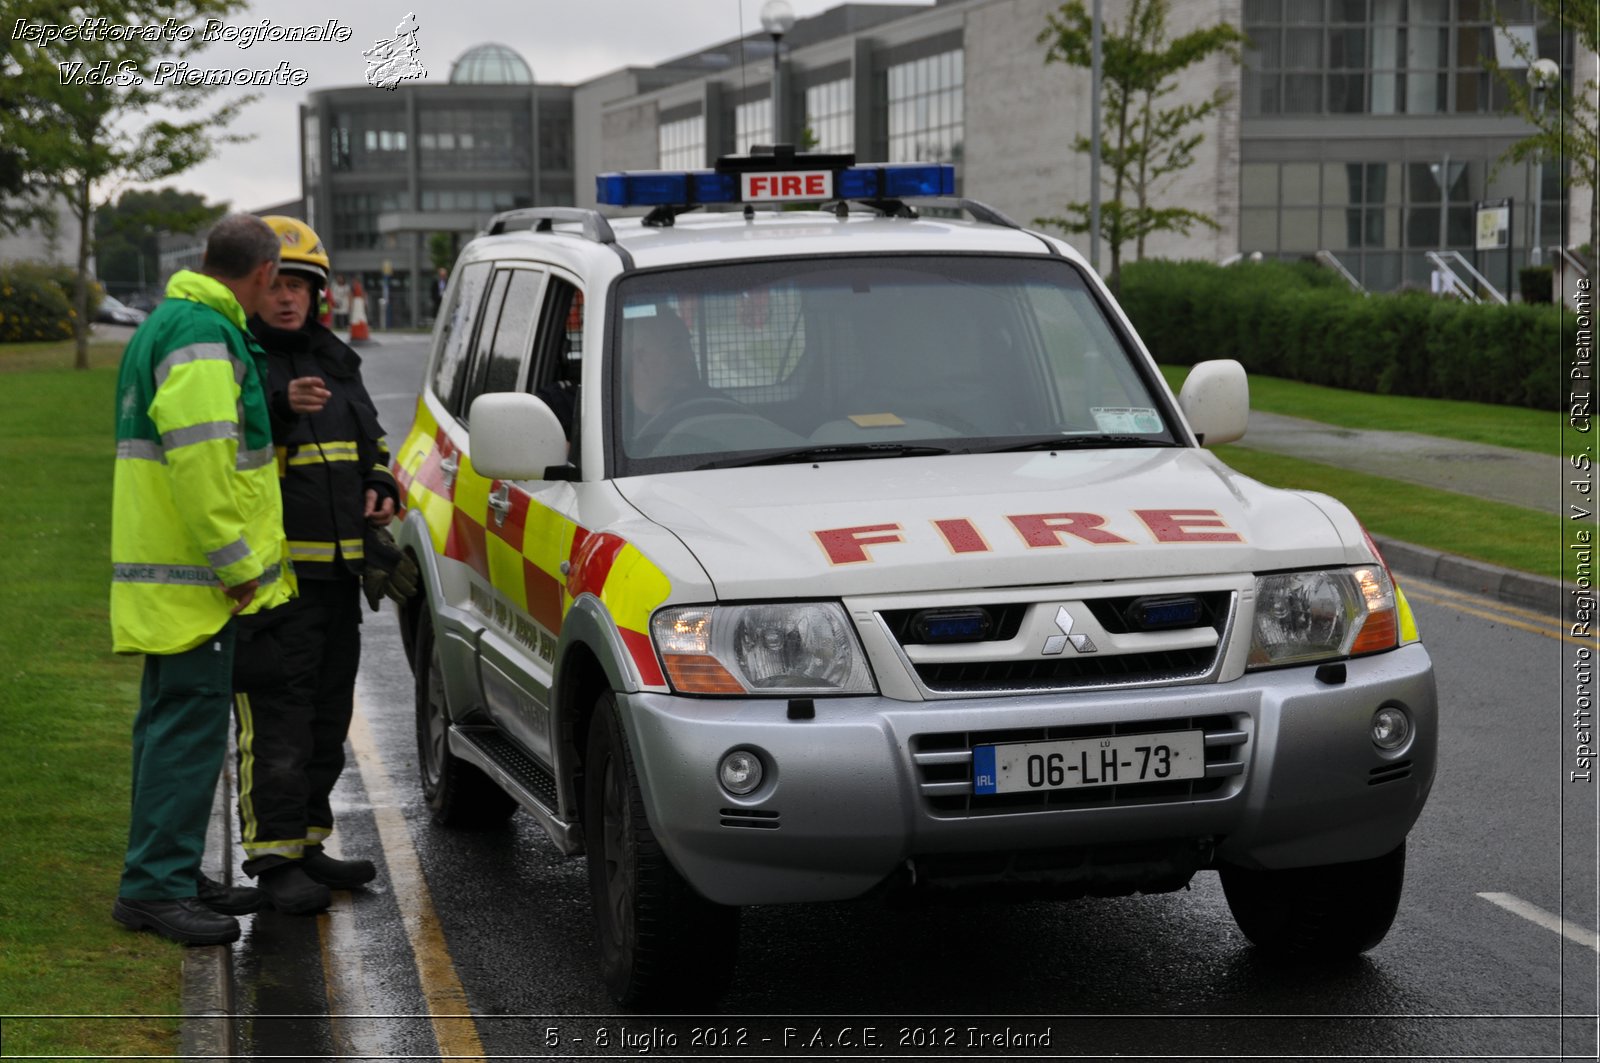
457,793
661,943
1331,911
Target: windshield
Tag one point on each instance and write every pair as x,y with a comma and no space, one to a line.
868,357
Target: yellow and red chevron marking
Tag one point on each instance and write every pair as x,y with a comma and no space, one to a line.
521,557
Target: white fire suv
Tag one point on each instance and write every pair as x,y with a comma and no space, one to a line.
786,554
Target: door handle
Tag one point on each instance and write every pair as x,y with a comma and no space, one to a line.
500,502
449,466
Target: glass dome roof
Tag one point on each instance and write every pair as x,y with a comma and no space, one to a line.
490,64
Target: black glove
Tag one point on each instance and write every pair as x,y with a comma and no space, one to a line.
388,570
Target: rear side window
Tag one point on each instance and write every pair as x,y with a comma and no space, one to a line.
455,336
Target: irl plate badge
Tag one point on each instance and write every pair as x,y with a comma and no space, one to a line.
392,61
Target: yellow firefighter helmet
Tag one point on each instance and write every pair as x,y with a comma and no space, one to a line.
302,251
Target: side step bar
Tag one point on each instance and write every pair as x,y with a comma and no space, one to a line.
492,753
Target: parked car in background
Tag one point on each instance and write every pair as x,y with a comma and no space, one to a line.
115,312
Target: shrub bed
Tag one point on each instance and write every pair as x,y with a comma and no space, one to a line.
1300,321
36,302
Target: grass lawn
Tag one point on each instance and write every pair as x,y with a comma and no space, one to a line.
1473,422
1500,534
66,710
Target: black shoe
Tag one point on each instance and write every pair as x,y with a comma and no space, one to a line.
185,920
229,900
289,889
338,874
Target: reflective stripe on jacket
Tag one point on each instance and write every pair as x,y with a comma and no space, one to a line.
195,503
328,460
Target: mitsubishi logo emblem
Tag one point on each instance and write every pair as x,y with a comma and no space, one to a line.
1056,643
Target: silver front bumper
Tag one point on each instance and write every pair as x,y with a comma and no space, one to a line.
845,802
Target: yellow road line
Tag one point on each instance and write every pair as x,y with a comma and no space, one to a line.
441,987
1550,629
1441,591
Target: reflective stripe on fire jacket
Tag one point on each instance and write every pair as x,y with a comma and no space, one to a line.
326,461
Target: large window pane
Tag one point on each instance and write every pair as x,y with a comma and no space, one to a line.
1300,184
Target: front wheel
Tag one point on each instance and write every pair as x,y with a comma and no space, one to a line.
457,793
1331,911
661,943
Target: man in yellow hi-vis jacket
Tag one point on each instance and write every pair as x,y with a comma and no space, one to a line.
196,539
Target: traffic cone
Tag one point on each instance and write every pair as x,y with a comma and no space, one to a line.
359,332
325,317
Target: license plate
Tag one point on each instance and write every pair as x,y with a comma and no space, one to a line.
1113,761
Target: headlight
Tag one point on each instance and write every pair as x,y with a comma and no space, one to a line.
1314,616
786,649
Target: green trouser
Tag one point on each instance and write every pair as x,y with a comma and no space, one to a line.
179,740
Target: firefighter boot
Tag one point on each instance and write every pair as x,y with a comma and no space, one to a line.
229,900
337,874
291,890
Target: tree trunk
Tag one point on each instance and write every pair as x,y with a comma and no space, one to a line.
80,324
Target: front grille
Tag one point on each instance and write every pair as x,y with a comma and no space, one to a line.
1029,669
1052,673
944,768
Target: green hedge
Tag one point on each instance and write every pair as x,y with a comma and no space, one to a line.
1301,322
36,301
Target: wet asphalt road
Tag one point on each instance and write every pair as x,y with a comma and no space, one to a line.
1170,975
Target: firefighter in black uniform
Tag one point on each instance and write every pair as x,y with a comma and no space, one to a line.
296,665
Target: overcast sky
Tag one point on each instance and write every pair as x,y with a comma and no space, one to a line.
564,41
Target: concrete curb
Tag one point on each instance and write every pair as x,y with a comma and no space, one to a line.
206,1030
1502,584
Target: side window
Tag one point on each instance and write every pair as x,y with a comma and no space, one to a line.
558,351
477,364
449,375
512,341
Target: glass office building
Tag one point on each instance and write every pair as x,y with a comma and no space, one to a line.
384,171
1364,130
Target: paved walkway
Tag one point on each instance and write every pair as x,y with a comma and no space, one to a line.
1518,477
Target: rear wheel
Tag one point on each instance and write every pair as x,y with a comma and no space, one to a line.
1334,910
661,943
457,793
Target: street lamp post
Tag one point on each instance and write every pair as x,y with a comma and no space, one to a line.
1542,77
777,18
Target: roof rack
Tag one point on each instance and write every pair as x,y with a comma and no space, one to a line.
899,208
543,220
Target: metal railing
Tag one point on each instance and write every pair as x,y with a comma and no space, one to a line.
1329,259
1452,264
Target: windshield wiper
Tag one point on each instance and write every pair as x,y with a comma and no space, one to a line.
832,452
1083,442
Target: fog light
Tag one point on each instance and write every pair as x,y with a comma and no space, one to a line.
1391,727
740,772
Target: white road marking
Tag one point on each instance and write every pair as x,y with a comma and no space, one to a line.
1532,913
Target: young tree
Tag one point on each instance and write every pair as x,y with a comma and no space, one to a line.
127,232
1142,142
1565,117
80,109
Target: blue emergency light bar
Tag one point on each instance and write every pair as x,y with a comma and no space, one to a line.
685,188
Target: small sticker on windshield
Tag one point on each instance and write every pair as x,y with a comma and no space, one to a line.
876,420
642,310
1126,420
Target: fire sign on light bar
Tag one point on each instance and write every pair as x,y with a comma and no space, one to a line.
783,187
688,188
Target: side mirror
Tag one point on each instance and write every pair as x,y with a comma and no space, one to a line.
514,436
1216,401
